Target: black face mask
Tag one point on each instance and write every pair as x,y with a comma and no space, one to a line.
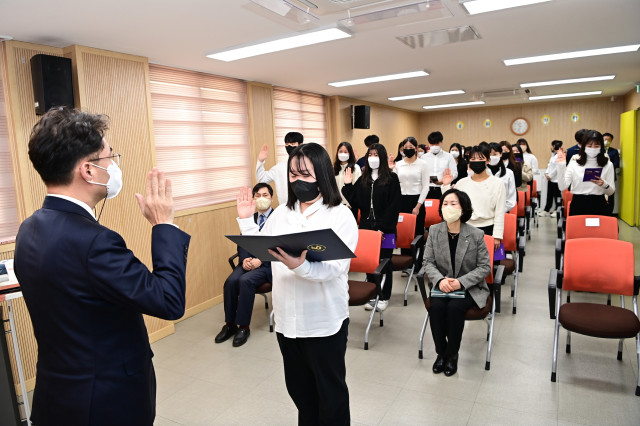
290,148
305,191
505,155
408,152
477,166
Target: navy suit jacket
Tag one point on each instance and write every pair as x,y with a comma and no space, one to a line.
86,293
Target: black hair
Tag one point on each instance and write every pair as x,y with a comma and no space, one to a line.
592,135
524,141
580,134
607,134
412,141
463,199
457,146
350,162
519,148
399,156
293,137
325,178
261,185
482,150
435,137
370,140
494,169
556,144
384,172
61,138
423,147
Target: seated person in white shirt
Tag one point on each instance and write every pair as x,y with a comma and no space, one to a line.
278,173
310,299
240,287
438,160
500,170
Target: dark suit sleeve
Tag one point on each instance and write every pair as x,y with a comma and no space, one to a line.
119,277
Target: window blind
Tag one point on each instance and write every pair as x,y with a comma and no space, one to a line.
201,134
8,210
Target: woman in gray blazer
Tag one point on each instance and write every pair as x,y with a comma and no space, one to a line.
456,262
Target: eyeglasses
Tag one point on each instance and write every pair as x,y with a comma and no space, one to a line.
114,157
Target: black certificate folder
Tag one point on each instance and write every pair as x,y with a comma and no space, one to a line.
321,245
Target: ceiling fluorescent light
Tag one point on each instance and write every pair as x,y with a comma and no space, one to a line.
377,79
427,95
285,43
565,95
453,105
571,55
568,81
473,7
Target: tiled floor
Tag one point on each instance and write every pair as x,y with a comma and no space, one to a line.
201,383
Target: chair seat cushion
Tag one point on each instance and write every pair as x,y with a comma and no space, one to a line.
509,266
401,261
264,288
597,320
360,292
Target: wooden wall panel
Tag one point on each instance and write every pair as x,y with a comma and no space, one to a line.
261,125
600,114
632,100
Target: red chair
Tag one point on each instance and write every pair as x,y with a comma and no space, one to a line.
586,226
595,319
474,313
514,245
367,260
535,200
519,211
432,216
406,239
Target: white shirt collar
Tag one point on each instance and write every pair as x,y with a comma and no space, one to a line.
75,201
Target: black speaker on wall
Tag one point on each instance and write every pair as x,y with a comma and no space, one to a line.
361,115
52,82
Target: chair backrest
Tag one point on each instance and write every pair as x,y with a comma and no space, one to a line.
568,208
599,265
510,239
406,230
488,239
521,201
566,197
534,188
591,226
367,252
432,216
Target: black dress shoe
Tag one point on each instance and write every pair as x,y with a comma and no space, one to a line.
241,337
438,366
451,366
226,332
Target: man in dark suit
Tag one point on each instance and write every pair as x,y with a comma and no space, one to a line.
85,291
240,286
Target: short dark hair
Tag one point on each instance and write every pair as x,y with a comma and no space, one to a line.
482,150
61,138
261,185
556,144
293,137
435,137
411,140
370,140
607,134
323,168
463,199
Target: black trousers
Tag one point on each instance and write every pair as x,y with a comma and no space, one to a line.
447,323
589,204
315,374
552,193
240,291
488,230
435,193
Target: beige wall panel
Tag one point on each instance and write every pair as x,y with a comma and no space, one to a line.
600,114
632,100
392,125
261,127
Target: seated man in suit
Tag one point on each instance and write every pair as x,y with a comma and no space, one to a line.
240,287
85,291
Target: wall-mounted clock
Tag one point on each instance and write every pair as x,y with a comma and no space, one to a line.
520,126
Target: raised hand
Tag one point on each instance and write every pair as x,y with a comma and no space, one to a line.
157,204
245,203
348,175
392,161
264,152
447,177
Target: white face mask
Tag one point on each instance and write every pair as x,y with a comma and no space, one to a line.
374,162
435,149
451,214
114,184
343,156
592,152
494,160
263,203
455,154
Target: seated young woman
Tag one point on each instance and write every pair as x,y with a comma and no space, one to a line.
462,268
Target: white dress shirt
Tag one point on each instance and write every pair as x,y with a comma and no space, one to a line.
437,163
340,179
532,160
277,174
311,300
509,180
552,169
414,178
572,175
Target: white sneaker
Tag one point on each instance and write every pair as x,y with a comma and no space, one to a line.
543,213
382,305
369,305
553,214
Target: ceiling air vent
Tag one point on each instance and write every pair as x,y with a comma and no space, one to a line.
504,93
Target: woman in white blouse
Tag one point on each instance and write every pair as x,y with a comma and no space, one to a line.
588,191
345,158
414,176
500,170
310,299
528,155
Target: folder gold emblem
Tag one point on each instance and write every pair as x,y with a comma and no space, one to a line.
316,247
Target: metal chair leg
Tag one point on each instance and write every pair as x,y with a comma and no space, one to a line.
568,348
266,301
554,363
271,315
487,364
515,285
424,328
366,332
406,288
